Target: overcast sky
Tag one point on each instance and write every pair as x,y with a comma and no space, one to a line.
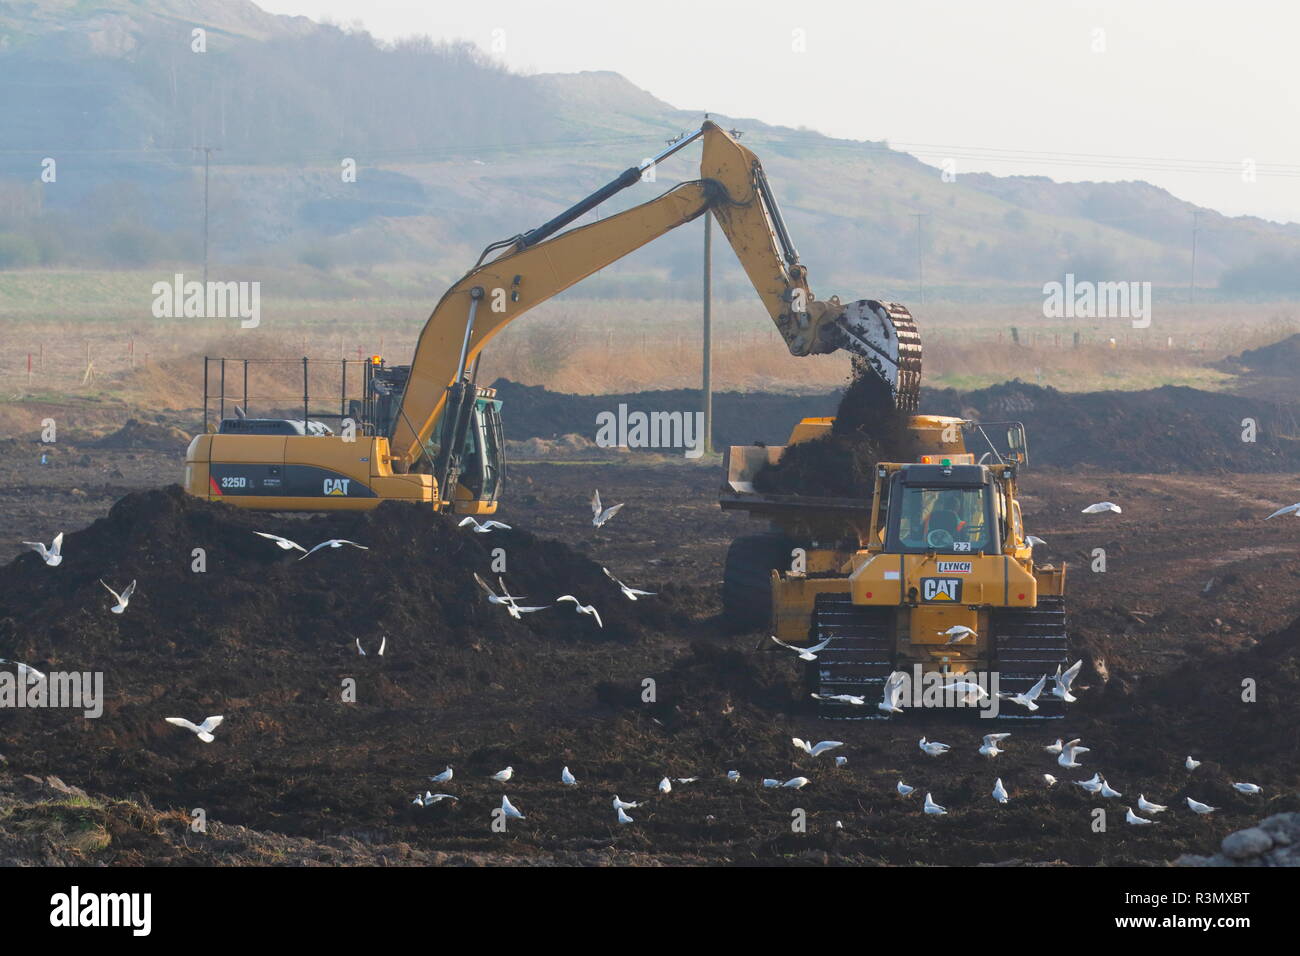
1181,93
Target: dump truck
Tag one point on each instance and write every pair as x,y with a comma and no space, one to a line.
940,544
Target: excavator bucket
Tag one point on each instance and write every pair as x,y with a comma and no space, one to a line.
885,335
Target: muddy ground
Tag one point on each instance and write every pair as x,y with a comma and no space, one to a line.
1199,594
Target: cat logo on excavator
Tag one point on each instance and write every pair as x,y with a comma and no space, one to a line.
336,486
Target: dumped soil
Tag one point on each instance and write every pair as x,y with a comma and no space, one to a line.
867,429
1280,358
150,435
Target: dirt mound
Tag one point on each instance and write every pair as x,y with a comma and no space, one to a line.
1281,358
150,435
1164,430
867,429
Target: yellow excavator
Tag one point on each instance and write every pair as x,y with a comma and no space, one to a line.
428,433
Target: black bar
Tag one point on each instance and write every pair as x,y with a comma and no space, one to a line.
223,390
304,395
205,394
246,386
629,176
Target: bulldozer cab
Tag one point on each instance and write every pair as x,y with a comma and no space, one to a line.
941,508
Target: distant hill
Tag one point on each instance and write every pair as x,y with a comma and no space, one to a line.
454,150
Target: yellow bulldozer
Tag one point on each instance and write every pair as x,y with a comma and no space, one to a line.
428,433
933,576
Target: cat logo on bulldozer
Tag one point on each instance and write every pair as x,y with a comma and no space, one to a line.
941,589
337,486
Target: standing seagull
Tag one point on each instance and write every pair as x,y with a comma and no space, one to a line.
485,527
630,593
333,543
1198,807
582,608
53,555
624,804
284,544
665,785
933,808
444,776
1101,506
932,747
999,791
568,779
1146,806
203,730
600,515
1191,764
622,816
1251,788
510,810
903,789
501,776
123,599
1133,818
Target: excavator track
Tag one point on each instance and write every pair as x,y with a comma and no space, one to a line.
857,661
1028,643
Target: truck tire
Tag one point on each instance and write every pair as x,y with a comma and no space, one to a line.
747,579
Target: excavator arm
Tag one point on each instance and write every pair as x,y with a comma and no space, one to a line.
534,266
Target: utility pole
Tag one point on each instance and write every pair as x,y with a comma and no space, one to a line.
207,158
1191,289
920,262
707,385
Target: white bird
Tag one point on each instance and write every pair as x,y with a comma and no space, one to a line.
999,791
903,789
1093,785
990,746
506,599
204,730
1101,506
932,807
841,761
1108,791
501,776
1191,764
1070,751
895,688
816,750
959,632
284,544
1063,681
840,699
1028,698
1199,807
623,817
431,798
333,543
123,599
1146,806
805,653
686,779
568,779
510,810
628,592
967,692
53,555
600,515
624,804
383,645
444,776
770,783
1133,818
25,671
485,527
932,747
665,785
796,783
1289,509
1055,748
733,776
1247,787
1034,541
582,608
1051,781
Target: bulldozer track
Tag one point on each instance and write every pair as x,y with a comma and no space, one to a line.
1028,643
857,661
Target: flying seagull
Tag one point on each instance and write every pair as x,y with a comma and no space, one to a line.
1289,509
1069,752
990,746
933,808
431,798
1034,541
506,599
840,699
999,791
501,776
968,692
628,592
932,747
123,599
1028,698
1101,506
284,544
582,608
959,632
333,543
1064,681
204,730
600,515
816,750
485,527
895,688
25,671
53,555
805,653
